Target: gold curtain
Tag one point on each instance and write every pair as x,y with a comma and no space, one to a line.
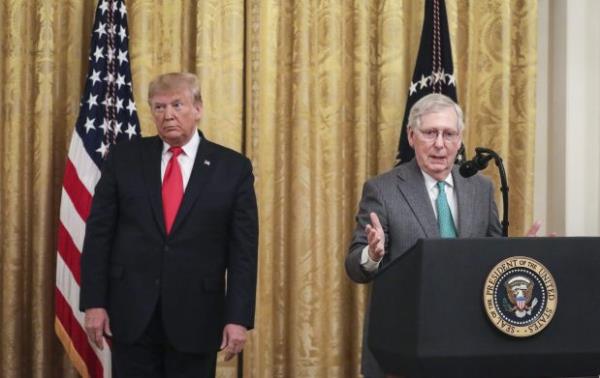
312,91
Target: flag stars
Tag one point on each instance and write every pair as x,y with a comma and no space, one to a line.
105,126
413,88
89,125
424,81
95,77
103,150
438,76
98,53
130,131
92,101
119,104
109,101
117,128
103,6
435,77
108,110
120,80
122,57
123,10
131,107
101,30
122,33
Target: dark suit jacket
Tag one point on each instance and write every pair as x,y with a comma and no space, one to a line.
401,201
203,272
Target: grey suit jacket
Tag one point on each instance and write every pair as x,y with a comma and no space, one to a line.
401,201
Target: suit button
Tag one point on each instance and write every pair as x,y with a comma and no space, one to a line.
157,282
166,249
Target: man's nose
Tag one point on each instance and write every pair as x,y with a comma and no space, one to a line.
169,111
439,139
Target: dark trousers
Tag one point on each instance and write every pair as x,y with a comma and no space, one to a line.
152,356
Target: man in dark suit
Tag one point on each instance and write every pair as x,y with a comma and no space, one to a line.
169,257
424,198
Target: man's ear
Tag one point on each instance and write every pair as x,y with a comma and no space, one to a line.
199,110
410,132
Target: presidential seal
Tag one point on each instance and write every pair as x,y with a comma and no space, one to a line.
520,296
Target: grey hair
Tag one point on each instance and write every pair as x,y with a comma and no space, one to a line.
433,103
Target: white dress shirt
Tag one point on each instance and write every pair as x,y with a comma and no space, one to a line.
371,265
185,159
433,191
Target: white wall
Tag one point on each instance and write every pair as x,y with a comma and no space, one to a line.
567,159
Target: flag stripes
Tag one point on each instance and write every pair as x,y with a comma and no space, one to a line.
107,115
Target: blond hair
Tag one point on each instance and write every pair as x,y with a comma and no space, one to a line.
175,81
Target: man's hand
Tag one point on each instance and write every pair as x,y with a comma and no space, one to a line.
375,238
234,338
96,324
535,227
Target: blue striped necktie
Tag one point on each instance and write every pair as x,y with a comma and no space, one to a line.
445,222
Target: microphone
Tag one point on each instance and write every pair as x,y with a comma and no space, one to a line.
478,163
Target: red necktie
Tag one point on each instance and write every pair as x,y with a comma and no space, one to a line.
172,188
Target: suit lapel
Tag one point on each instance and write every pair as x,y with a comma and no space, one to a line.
151,159
465,198
412,186
201,173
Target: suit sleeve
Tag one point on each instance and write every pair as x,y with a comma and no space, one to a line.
243,253
99,233
371,201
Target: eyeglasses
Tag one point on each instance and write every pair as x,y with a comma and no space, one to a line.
431,135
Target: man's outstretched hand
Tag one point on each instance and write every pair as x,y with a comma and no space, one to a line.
375,238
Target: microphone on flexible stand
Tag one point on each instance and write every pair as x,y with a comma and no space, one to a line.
480,162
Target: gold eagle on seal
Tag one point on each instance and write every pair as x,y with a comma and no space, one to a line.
519,290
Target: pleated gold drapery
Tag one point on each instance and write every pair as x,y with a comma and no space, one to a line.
312,91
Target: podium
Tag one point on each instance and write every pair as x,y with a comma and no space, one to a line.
428,319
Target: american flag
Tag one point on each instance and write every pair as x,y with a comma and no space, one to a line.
434,70
107,115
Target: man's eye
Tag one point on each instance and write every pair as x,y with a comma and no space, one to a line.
431,132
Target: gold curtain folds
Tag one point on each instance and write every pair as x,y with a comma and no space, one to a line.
312,91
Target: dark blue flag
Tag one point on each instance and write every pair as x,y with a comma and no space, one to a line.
434,71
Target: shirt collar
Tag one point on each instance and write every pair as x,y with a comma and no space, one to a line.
430,182
189,149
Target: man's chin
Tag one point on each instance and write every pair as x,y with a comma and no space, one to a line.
172,139
439,166
438,171
171,134
171,131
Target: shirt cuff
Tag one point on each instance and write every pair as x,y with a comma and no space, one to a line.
367,262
